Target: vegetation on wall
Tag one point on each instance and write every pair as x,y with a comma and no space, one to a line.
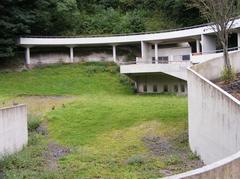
81,17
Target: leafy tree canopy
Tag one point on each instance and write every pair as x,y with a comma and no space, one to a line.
79,17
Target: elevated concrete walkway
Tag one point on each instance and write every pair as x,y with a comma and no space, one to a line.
178,70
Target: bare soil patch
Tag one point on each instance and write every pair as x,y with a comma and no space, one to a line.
232,87
174,152
53,153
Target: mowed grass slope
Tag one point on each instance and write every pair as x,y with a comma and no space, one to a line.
109,130
86,78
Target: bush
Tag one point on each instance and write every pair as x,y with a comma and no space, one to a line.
136,160
173,160
33,123
228,75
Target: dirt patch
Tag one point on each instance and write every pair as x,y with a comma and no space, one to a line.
42,129
174,152
232,87
158,145
54,152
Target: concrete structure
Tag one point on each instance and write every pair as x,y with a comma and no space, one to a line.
214,115
13,129
214,122
227,168
166,50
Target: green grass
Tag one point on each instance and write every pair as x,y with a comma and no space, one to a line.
103,124
93,115
87,78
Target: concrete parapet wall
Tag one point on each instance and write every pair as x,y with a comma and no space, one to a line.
214,122
227,168
13,129
213,68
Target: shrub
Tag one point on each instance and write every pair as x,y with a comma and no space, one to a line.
136,160
228,74
193,156
33,123
173,160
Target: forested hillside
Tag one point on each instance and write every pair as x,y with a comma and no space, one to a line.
79,17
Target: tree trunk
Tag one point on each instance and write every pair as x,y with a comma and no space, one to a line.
226,58
225,52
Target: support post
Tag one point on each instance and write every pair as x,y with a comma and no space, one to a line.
114,53
238,40
156,53
144,51
198,46
27,56
71,55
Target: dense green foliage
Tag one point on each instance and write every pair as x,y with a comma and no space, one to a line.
81,17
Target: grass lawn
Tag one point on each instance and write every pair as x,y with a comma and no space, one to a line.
93,126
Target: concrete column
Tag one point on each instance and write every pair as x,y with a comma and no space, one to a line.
71,55
144,50
209,44
27,56
114,53
156,53
238,40
198,46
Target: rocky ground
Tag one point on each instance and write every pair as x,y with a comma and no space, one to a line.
232,87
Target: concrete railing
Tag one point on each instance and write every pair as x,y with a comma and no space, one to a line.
13,129
214,122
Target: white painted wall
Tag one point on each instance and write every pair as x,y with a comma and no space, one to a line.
214,115
13,129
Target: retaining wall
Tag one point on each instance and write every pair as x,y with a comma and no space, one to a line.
13,129
214,122
214,115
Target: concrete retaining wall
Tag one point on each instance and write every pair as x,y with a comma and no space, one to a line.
13,129
53,58
214,122
227,168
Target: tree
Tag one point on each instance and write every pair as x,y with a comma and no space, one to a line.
222,15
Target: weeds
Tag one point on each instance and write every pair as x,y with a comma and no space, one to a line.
228,75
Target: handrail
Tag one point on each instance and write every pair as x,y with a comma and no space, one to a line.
149,62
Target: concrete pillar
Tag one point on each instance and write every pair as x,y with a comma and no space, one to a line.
71,55
156,53
238,40
144,50
209,44
198,46
114,53
27,56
